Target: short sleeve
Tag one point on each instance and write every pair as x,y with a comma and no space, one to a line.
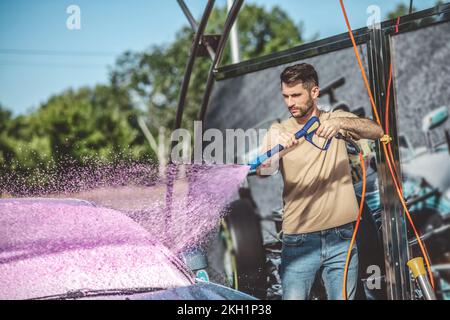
345,114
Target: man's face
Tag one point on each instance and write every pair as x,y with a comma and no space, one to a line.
299,99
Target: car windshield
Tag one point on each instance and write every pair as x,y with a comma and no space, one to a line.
53,248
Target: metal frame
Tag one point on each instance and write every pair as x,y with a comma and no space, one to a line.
399,286
232,15
411,22
200,29
396,249
304,51
199,40
396,246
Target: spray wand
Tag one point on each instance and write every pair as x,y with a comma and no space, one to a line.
308,132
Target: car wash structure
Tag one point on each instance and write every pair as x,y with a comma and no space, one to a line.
396,73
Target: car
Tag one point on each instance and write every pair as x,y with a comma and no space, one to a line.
73,249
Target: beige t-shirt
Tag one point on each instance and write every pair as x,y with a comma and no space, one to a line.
318,191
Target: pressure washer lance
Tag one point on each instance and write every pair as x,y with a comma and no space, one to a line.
308,132
417,268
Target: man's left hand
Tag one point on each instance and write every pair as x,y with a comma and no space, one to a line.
329,128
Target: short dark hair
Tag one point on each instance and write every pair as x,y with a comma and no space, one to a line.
300,73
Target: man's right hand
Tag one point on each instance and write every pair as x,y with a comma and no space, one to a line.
271,165
288,141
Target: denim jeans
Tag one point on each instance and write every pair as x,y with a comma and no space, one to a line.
303,255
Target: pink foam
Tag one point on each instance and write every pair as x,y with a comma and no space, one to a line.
51,248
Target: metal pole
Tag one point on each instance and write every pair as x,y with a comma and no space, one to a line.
172,170
195,26
395,239
411,6
190,63
188,15
420,274
234,38
232,15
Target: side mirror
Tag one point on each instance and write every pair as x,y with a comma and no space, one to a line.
434,119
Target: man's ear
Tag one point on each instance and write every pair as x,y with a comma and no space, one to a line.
315,91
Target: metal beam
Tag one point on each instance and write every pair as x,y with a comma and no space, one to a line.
195,27
191,61
188,15
231,18
395,239
172,170
234,38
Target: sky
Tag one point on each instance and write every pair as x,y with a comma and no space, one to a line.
40,56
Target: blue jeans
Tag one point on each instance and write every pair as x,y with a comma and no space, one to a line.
303,255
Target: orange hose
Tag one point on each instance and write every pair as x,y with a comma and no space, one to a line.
408,215
355,48
386,153
394,171
361,205
386,120
388,133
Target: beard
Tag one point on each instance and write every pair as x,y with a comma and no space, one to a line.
305,109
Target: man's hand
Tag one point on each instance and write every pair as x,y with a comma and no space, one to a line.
271,165
288,141
329,128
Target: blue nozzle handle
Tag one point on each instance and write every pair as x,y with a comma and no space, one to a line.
308,131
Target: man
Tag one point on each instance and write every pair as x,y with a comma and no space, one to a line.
320,204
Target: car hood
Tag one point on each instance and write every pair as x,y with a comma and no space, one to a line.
52,247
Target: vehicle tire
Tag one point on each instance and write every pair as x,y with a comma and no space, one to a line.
244,258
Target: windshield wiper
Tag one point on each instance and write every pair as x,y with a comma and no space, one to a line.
83,293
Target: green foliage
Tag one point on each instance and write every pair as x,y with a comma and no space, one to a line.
101,122
402,9
399,11
156,75
91,123
98,123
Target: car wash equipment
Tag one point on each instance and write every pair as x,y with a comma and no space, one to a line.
386,140
420,275
308,132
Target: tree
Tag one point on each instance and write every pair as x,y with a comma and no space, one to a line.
403,9
155,76
71,129
101,122
6,147
91,123
400,10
